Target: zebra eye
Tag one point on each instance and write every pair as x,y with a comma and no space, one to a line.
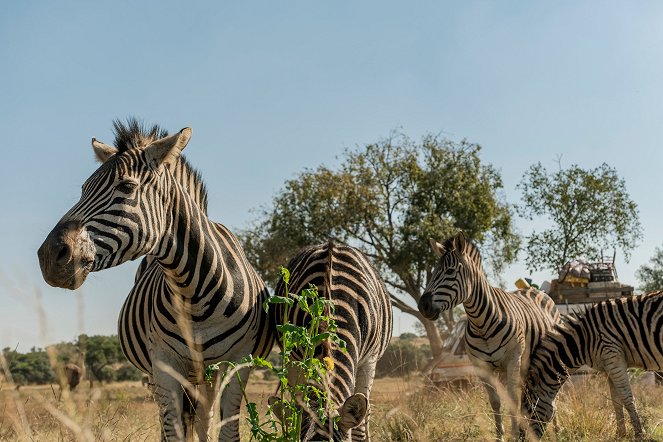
127,187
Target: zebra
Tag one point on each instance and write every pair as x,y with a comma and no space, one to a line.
363,316
196,299
609,336
502,327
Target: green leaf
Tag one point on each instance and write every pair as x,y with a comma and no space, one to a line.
285,275
280,300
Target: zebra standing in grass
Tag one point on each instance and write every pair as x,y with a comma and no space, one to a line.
196,300
502,327
363,315
610,336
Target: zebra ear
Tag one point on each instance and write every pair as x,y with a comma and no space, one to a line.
352,412
167,150
102,151
436,246
460,241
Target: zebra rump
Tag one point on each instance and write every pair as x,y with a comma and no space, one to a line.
363,315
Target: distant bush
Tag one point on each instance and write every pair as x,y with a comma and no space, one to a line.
29,368
401,358
128,372
407,336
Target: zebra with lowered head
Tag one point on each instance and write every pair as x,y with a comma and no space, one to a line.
502,327
610,336
363,315
196,299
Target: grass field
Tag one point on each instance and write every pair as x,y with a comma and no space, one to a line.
402,410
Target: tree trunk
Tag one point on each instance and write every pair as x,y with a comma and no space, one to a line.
435,340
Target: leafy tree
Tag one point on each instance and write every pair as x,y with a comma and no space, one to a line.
388,199
651,275
590,211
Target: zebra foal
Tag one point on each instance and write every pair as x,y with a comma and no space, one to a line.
610,336
196,300
502,327
363,315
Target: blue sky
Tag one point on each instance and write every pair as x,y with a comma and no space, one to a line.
271,88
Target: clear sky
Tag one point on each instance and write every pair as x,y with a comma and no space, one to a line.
271,88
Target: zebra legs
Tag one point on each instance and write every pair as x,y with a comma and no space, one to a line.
619,409
205,410
494,399
168,393
622,395
231,399
363,384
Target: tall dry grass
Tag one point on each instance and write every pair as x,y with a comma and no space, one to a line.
402,410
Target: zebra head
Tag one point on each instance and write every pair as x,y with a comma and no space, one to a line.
451,281
538,405
348,416
122,211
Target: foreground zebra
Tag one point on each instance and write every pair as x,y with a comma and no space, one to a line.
196,299
610,336
363,316
502,327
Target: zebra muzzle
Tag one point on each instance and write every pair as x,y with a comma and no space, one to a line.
427,308
66,256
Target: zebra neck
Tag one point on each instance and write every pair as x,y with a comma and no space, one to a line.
480,306
568,344
191,254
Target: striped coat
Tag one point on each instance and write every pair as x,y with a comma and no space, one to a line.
503,327
363,316
610,336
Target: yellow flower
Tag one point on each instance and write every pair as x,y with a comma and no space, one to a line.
329,363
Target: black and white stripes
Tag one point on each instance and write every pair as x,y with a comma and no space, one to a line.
610,336
363,316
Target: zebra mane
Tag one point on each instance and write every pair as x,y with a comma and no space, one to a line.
134,134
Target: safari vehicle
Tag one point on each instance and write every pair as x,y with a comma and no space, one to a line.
581,282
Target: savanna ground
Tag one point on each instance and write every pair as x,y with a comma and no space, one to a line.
402,410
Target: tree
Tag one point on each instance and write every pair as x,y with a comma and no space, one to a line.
590,211
388,199
651,275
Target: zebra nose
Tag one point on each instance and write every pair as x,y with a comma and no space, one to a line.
426,306
63,254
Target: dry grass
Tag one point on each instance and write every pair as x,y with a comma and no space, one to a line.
402,410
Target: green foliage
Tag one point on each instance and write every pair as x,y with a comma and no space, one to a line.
285,415
590,211
401,358
407,336
651,275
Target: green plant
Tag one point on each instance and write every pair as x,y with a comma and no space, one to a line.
302,375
